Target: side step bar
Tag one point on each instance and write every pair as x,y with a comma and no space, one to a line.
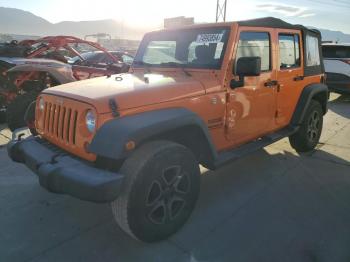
228,156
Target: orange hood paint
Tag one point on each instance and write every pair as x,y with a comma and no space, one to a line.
130,90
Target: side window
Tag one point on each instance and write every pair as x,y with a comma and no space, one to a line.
289,50
103,58
255,44
127,59
312,51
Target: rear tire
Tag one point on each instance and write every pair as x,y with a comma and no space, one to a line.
159,192
17,108
308,135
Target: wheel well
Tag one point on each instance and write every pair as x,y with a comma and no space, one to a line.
40,83
192,137
322,98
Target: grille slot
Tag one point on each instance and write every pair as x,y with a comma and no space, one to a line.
67,124
74,129
60,122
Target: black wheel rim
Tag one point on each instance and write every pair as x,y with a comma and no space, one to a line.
313,128
167,195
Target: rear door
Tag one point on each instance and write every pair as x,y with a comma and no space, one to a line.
251,108
290,74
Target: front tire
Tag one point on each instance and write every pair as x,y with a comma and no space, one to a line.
159,192
308,135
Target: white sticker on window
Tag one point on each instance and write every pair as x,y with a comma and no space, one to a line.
209,38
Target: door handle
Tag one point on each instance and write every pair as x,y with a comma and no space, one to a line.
298,78
271,83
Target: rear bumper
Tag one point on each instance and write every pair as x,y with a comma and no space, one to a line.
63,174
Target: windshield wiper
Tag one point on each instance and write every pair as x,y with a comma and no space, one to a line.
177,65
141,63
144,64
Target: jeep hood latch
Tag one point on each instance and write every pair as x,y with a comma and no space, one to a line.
114,107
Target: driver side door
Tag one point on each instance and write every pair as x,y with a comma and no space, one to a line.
251,108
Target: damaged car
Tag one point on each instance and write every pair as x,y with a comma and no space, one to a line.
34,65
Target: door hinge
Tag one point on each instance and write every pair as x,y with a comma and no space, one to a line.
278,88
228,95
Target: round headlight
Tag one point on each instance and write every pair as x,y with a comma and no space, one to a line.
90,120
41,104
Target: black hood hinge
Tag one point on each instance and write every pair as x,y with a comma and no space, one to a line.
114,107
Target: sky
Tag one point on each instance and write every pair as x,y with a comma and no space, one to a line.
326,14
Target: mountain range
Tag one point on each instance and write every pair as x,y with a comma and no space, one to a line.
16,21
19,22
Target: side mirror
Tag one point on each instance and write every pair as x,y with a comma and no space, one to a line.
246,66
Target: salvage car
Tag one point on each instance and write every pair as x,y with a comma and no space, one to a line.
204,94
337,66
34,65
100,58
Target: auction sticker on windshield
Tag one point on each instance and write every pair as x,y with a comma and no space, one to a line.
209,38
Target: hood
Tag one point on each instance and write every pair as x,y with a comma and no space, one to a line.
61,72
130,90
37,61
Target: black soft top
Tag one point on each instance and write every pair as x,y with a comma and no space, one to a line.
274,23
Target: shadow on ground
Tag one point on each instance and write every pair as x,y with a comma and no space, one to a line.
299,214
340,105
270,206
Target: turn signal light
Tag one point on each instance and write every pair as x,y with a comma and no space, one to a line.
130,145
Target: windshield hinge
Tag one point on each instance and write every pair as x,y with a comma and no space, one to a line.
114,107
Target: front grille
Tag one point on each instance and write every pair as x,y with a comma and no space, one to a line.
60,122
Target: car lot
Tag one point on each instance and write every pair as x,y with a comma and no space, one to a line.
273,205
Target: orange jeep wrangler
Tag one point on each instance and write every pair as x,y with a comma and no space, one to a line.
203,94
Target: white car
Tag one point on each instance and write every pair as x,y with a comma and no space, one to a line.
337,66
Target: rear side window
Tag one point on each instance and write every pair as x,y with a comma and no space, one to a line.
336,51
312,51
255,44
289,50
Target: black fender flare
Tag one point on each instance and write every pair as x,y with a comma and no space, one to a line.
175,124
318,92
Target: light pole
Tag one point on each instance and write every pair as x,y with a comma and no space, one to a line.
221,10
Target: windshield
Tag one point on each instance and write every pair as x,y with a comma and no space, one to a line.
190,48
86,56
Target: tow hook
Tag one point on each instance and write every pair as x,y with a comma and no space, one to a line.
20,133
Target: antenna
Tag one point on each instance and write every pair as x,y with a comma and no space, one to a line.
221,10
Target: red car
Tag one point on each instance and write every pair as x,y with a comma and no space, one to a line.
34,65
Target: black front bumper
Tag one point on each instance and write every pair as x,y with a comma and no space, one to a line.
60,173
